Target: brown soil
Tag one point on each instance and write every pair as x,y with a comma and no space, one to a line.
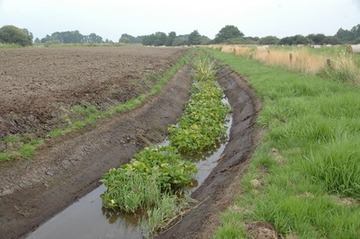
33,191
39,85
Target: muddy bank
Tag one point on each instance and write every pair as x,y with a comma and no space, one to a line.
219,189
33,191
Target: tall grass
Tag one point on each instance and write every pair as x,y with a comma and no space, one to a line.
341,66
308,160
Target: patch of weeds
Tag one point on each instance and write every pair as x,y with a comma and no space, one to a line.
27,151
12,139
4,156
336,165
56,133
160,216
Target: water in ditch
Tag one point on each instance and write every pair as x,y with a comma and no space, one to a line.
85,219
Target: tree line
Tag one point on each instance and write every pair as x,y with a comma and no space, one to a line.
227,35
70,37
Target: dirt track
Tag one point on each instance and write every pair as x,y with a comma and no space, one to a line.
70,169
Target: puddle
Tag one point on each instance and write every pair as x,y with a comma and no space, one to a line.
85,218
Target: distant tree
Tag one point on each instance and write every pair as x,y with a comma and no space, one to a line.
269,40
226,33
126,38
356,31
160,39
345,35
93,38
181,40
171,38
331,40
11,34
204,40
148,40
295,40
138,39
317,39
37,41
195,38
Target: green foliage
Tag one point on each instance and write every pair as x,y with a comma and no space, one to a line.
173,173
27,151
194,38
71,37
127,39
269,40
310,153
12,35
202,125
295,40
162,167
349,36
168,207
336,166
171,39
204,69
4,156
228,32
129,191
156,39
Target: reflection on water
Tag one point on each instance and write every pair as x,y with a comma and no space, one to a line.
86,219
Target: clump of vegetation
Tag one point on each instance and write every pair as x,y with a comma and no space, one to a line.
202,125
162,167
13,35
343,69
336,167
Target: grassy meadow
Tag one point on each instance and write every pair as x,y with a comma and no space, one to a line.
304,177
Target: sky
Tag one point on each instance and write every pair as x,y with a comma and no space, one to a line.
111,18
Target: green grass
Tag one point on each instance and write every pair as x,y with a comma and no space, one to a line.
6,46
4,156
308,159
167,209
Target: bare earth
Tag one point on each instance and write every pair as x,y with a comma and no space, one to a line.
68,168
38,85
